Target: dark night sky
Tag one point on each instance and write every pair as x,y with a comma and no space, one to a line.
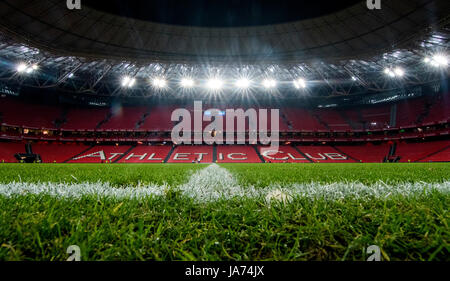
220,13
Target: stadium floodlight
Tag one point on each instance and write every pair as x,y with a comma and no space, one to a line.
441,60
132,82
243,83
214,84
300,83
399,72
269,83
396,72
159,83
187,83
21,67
389,72
24,68
128,81
438,60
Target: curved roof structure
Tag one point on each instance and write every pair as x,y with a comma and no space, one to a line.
353,33
350,52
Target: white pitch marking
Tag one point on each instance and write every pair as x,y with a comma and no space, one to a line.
215,183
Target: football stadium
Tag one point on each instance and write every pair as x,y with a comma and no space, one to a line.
225,131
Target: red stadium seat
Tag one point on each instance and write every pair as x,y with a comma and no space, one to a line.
18,113
189,154
368,153
285,154
237,154
325,154
58,153
8,150
441,156
124,118
412,152
101,154
84,118
147,154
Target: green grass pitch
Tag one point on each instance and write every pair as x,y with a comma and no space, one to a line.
39,220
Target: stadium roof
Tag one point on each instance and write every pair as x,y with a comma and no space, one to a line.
339,52
351,33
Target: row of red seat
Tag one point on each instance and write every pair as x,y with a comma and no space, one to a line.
422,152
158,118
80,153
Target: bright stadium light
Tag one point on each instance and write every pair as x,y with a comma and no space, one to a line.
396,72
187,83
25,68
441,60
399,72
243,83
132,82
300,83
21,67
269,83
128,81
214,84
159,83
438,60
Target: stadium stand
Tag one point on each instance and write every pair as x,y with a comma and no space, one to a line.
376,117
441,156
159,119
333,120
59,153
147,154
286,154
412,120
124,118
409,111
237,154
368,153
8,150
438,111
413,152
18,113
84,119
431,151
101,154
302,120
190,154
324,154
